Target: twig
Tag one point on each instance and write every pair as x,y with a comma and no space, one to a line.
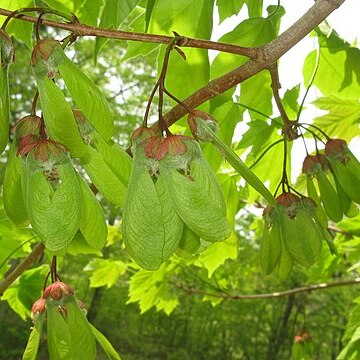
273,295
24,265
86,30
276,86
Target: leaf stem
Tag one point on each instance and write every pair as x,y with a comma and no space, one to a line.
254,110
322,132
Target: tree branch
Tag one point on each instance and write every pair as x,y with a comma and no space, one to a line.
183,41
273,295
24,265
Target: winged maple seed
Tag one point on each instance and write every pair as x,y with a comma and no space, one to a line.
181,192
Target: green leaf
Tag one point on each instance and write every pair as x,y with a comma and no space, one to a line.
268,168
25,290
338,72
58,334
105,272
65,6
151,227
12,192
87,96
342,120
92,220
258,136
14,242
186,17
228,8
150,290
113,14
33,343
251,32
54,213
138,48
216,254
254,7
149,8
81,334
103,178
89,12
21,30
250,90
351,336
290,101
58,117
105,344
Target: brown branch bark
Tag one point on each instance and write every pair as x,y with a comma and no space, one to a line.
183,41
273,295
24,265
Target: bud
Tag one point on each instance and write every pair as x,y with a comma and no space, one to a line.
28,132
289,202
57,291
314,163
28,125
335,147
38,308
140,134
302,337
48,149
158,148
193,121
